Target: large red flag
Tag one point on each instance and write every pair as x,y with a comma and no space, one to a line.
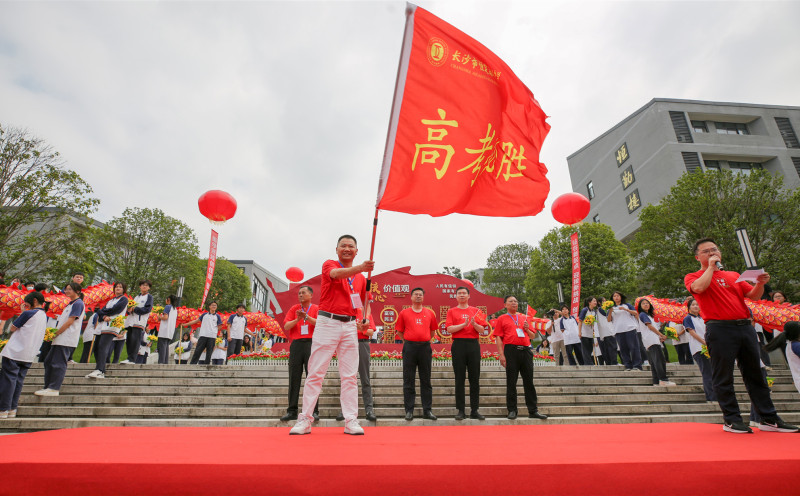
465,132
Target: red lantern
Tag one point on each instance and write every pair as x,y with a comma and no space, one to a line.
218,206
294,274
570,208
468,282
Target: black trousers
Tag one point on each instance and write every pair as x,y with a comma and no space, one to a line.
132,342
417,355
55,366
203,343
519,361
234,347
726,343
162,347
44,349
587,349
658,366
117,346
299,353
467,362
704,365
103,345
684,354
576,349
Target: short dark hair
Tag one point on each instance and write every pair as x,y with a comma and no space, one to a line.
75,287
418,289
649,310
172,299
565,306
146,281
40,286
622,297
462,287
34,296
346,236
688,302
588,300
791,330
506,297
208,305
309,288
124,286
701,241
77,273
240,306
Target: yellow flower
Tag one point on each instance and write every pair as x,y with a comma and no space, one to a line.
770,381
118,322
218,341
50,334
607,304
670,333
179,350
131,303
704,351
158,309
589,320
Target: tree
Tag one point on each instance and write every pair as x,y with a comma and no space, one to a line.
714,204
452,271
44,208
229,287
145,243
605,265
506,270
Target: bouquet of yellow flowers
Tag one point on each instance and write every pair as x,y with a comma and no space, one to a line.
152,338
704,351
218,341
770,382
118,322
131,303
589,320
158,309
671,333
179,350
607,304
50,334
3,343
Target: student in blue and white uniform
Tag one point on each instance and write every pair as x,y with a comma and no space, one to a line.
682,345
166,329
144,350
115,307
572,336
652,339
186,344
89,334
67,336
136,321
608,343
626,325
209,328
588,332
220,351
237,325
696,328
27,334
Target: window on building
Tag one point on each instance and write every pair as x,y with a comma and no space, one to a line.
692,161
787,132
731,128
711,165
699,126
590,189
796,162
744,167
596,218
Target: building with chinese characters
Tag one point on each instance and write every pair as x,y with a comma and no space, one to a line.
636,162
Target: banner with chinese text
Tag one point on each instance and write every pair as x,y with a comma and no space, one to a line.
212,263
575,305
465,132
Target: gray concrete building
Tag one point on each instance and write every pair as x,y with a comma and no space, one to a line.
258,276
636,162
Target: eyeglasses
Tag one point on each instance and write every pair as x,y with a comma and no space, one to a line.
709,251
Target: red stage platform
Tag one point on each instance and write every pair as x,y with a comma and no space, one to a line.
636,459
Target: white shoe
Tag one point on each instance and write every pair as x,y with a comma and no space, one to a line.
753,423
127,362
12,413
4,414
352,427
666,383
95,374
47,392
72,361
303,426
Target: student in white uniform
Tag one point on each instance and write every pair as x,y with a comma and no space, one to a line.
27,335
88,339
67,336
186,354
572,336
696,329
166,329
589,331
115,307
682,345
144,350
557,339
608,343
220,350
651,340
626,325
136,321
237,326
209,328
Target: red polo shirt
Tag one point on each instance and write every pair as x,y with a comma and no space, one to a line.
457,316
417,326
294,332
363,335
335,293
724,298
506,329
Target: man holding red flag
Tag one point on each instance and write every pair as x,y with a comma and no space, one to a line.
462,324
513,334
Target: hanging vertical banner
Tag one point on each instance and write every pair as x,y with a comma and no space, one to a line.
576,275
212,262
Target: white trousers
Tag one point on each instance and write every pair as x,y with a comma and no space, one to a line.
332,336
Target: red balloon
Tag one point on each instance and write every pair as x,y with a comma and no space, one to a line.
217,206
294,274
468,282
570,208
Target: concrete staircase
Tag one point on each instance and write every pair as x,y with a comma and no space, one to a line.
235,395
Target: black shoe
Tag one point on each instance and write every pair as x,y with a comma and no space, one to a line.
340,417
289,417
371,416
460,415
316,416
737,428
512,415
535,414
409,416
477,416
429,415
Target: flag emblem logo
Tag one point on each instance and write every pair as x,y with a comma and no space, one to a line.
437,52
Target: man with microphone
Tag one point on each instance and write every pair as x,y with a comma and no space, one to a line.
730,336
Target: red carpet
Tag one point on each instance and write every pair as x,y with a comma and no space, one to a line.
651,459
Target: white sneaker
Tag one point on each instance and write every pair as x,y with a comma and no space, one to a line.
753,423
127,362
4,414
666,383
303,426
46,392
352,427
95,374
12,413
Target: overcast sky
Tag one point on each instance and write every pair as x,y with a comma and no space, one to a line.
285,105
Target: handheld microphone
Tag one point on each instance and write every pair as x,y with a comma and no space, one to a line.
719,265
